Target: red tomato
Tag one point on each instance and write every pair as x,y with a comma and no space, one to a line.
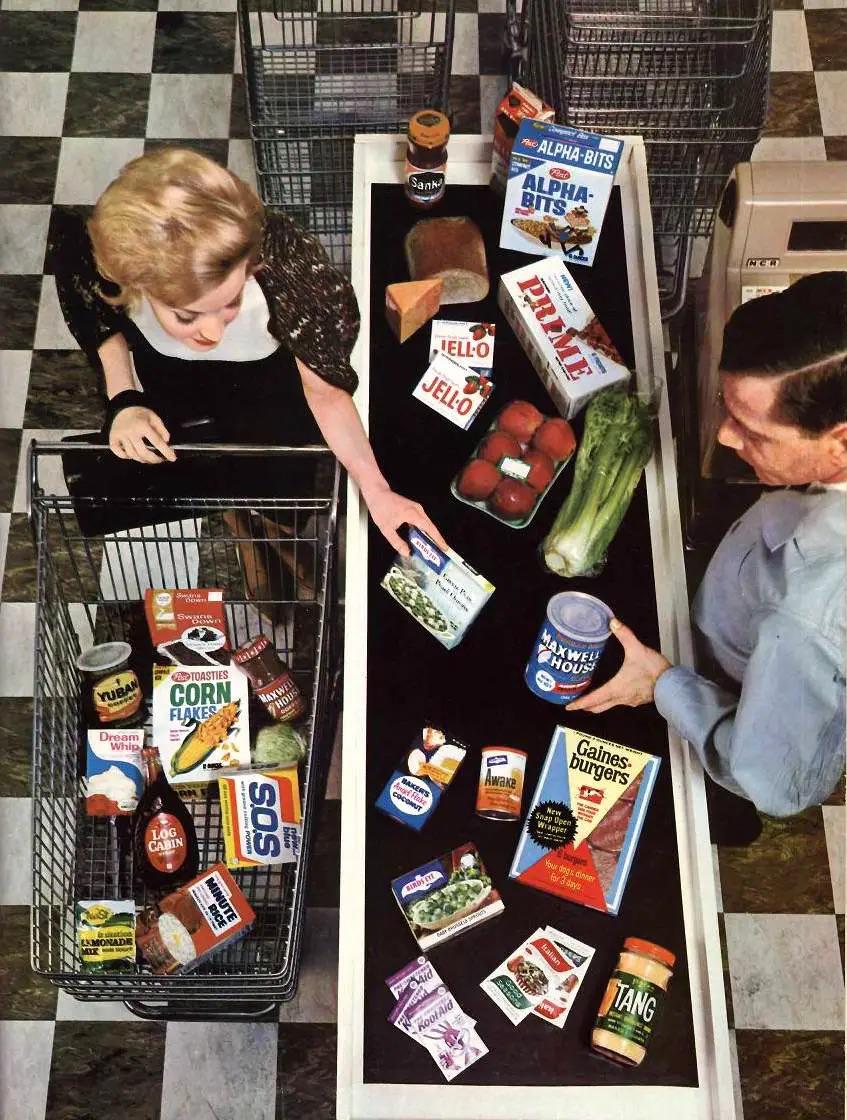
498,445
555,437
520,419
478,479
543,469
513,500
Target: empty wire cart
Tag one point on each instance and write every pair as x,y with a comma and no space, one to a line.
275,561
319,72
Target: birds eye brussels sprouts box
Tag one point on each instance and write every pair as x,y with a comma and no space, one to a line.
438,589
562,337
447,896
200,721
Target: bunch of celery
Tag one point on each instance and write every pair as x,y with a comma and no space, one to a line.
616,444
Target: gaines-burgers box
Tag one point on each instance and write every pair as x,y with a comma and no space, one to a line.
194,922
566,343
580,835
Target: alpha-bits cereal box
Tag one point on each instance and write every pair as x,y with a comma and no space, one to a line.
560,181
200,721
562,337
580,834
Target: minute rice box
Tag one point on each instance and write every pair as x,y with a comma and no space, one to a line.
560,181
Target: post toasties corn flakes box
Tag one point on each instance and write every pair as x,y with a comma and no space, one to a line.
560,181
580,835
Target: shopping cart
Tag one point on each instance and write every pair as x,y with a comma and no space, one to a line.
689,76
316,74
90,588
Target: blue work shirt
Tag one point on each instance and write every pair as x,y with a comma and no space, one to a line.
771,612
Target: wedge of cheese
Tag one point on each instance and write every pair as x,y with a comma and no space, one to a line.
408,306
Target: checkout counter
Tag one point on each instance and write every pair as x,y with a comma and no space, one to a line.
398,677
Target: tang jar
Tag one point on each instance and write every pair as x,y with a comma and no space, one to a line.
634,996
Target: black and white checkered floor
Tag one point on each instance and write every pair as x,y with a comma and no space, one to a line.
86,85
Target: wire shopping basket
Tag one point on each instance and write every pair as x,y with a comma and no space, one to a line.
90,587
316,76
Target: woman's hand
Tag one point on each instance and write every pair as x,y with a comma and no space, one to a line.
635,681
129,430
389,511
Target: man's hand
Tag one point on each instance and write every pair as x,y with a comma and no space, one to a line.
635,681
129,430
390,510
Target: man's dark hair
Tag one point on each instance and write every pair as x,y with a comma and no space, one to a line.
802,333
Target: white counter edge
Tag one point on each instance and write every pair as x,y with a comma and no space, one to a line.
379,159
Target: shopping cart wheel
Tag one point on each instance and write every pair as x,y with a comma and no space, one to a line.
203,1010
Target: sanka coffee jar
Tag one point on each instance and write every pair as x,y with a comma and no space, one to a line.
111,692
426,158
634,995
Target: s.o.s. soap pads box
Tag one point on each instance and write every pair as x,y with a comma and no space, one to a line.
560,181
562,337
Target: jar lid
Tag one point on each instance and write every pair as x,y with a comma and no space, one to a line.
650,949
108,655
429,129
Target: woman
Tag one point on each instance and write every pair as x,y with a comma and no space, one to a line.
218,308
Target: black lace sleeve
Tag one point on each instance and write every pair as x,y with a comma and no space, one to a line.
313,309
89,318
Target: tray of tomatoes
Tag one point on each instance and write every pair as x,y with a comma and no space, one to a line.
515,464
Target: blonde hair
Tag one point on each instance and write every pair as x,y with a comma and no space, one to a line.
174,224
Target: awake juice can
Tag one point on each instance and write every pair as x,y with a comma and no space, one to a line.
568,646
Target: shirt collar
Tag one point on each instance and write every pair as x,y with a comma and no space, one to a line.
814,519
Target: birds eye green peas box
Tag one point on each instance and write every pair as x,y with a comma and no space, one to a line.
438,589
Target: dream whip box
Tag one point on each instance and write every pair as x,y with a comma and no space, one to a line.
560,181
580,834
562,337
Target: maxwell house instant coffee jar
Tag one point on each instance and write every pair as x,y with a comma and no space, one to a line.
568,647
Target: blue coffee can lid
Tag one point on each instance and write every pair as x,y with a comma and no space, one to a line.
580,616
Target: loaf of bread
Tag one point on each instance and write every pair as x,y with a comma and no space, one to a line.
453,249
409,305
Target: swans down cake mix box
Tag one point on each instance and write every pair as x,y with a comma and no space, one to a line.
559,185
447,896
581,832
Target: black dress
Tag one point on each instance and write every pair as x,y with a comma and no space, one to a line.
312,313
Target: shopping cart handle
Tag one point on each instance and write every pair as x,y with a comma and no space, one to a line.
37,449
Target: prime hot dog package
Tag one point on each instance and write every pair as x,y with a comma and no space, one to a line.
581,832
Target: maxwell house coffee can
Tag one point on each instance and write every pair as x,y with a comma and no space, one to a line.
568,647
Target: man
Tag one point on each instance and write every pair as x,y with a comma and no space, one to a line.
770,610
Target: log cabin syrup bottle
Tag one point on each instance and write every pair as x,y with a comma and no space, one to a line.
426,158
166,849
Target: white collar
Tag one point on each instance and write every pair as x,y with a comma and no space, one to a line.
246,338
